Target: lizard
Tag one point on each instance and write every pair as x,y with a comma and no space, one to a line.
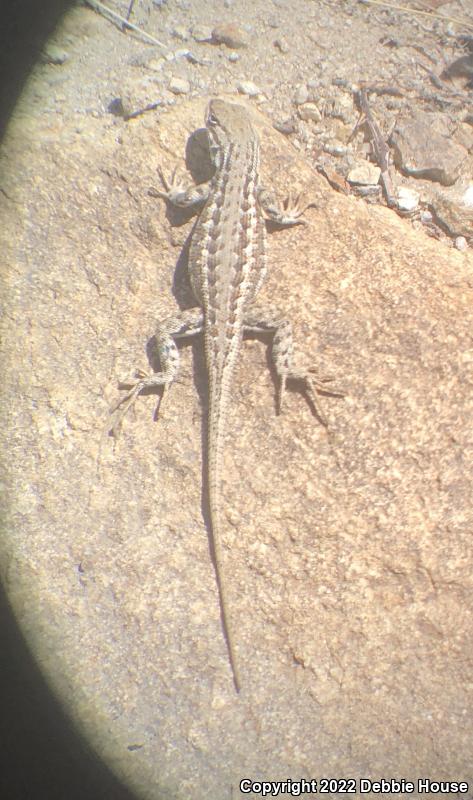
227,266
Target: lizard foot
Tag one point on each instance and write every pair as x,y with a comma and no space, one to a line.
294,207
142,380
176,192
313,385
291,211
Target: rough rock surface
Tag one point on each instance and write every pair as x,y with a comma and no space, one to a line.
423,147
348,553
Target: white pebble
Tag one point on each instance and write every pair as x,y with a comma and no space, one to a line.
249,88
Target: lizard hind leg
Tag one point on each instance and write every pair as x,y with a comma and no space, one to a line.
260,320
181,325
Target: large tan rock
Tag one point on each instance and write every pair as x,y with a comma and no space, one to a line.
348,553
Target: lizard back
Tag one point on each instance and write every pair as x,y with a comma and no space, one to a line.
227,266
227,254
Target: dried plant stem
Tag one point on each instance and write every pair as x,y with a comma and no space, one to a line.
98,6
414,11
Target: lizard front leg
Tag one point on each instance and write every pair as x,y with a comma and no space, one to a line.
262,320
180,194
291,211
183,324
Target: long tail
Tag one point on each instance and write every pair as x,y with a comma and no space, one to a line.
214,453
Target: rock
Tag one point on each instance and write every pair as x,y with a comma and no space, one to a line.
281,44
460,68
156,64
347,649
340,108
180,32
309,111
464,135
229,34
454,209
117,108
179,86
407,199
364,173
286,127
175,55
461,243
426,217
249,88
423,147
202,33
334,148
301,95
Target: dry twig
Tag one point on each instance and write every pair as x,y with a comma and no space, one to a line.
414,11
103,9
380,148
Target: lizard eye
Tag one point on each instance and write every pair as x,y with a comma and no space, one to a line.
212,119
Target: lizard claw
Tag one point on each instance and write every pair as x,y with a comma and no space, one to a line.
142,380
173,188
312,386
176,192
294,207
289,213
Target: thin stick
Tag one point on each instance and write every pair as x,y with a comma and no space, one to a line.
130,9
380,148
414,11
95,4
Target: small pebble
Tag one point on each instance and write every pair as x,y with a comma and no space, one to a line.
337,150
192,59
229,34
179,86
364,173
180,32
282,45
407,199
369,191
286,127
155,64
200,33
461,243
174,56
116,107
309,111
342,82
249,88
302,95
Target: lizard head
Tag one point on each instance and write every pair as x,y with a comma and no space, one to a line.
227,122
